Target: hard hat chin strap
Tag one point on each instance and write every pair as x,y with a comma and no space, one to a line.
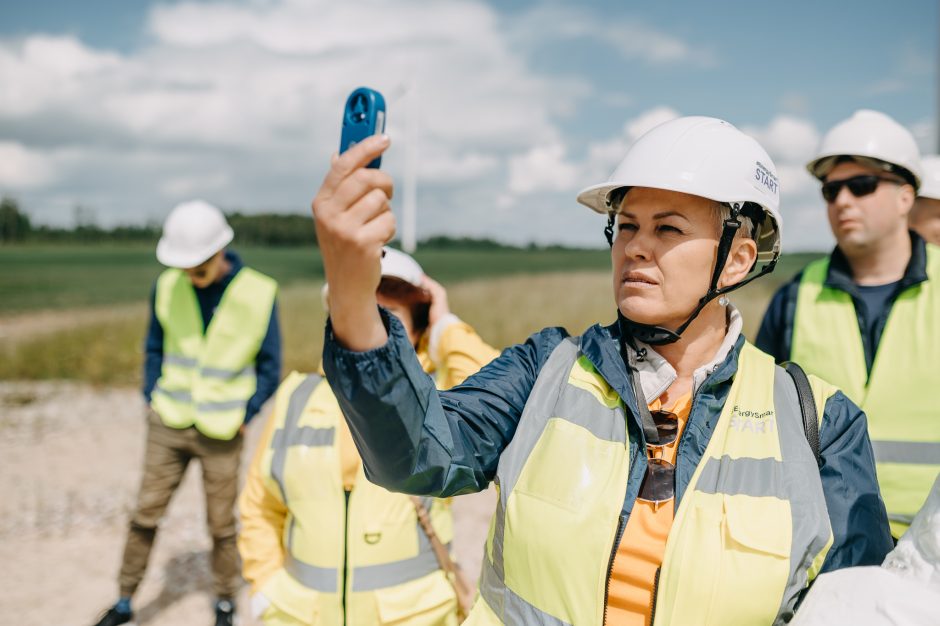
658,335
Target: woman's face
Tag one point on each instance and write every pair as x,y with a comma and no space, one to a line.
401,310
664,251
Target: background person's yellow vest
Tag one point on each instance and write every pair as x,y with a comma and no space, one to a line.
901,397
750,532
207,378
365,546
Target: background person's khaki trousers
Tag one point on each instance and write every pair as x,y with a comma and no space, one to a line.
168,453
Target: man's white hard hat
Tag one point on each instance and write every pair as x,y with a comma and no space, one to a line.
395,264
930,185
871,135
702,156
192,233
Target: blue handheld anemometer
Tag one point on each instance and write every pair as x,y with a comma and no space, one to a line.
363,117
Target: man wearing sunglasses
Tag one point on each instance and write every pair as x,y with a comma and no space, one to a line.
865,318
213,356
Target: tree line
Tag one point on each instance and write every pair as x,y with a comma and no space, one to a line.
274,229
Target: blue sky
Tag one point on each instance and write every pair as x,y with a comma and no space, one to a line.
127,108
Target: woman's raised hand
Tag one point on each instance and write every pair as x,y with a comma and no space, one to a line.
354,220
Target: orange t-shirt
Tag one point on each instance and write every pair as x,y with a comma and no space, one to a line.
641,548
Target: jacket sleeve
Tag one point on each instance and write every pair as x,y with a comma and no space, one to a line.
458,352
775,336
262,516
416,440
267,366
153,350
861,535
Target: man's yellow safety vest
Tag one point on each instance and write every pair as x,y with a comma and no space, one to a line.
208,377
362,549
749,534
900,396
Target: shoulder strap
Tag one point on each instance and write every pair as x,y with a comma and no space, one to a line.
462,587
807,406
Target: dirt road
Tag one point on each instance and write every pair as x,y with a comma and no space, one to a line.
71,460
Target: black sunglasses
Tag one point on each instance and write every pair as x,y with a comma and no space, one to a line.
659,483
859,186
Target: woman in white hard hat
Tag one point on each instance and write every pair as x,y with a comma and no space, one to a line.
925,215
655,470
320,543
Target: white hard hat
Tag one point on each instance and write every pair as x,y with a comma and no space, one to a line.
192,233
395,264
702,156
930,184
871,135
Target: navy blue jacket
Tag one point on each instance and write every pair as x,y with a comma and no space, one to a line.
417,440
775,336
267,363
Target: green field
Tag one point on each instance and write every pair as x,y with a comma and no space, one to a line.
505,294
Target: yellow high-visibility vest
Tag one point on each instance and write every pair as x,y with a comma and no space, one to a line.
749,534
208,378
899,397
363,549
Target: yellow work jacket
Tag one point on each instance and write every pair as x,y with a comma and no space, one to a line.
749,534
321,555
899,396
208,377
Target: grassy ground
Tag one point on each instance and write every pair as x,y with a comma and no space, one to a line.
505,309
36,277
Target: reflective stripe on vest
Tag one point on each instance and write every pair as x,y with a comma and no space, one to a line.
898,396
301,453
208,377
755,504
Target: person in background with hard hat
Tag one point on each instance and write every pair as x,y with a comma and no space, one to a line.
320,543
867,317
925,216
655,470
213,356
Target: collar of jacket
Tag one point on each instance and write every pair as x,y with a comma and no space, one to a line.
601,345
839,274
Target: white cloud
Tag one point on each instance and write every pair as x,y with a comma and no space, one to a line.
543,168
22,168
787,138
649,120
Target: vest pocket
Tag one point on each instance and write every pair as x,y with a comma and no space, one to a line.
291,598
755,561
428,601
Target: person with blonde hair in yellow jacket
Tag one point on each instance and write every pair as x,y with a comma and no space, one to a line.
319,542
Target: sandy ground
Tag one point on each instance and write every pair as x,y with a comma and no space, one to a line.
71,460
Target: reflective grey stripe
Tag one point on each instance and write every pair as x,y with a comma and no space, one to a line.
303,436
509,607
295,408
809,515
372,577
225,405
744,476
179,360
217,372
551,396
903,519
179,396
907,452
206,407
323,579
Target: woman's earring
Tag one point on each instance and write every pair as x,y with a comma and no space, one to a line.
723,301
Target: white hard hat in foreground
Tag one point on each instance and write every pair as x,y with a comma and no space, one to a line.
870,135
702,156
192,233
930,185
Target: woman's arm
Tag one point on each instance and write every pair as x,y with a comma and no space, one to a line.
417,440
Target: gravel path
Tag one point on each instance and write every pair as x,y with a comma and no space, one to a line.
71,459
